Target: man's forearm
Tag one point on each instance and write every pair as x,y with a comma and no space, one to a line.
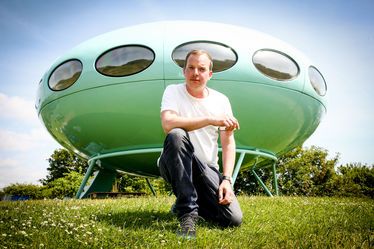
228,153
171,120
188,124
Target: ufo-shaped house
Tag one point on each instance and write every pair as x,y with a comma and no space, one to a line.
102,98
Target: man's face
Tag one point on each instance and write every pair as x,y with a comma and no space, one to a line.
197,71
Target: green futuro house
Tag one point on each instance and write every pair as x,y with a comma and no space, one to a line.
102,99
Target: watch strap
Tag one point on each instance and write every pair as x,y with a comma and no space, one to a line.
228,178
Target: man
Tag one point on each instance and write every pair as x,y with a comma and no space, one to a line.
193,116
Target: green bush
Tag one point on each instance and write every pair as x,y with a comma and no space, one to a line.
247,184
355,180
301,172
66,186
128,183
61,163
307,172
62,187
28,190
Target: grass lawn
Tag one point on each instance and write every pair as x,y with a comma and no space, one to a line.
145,222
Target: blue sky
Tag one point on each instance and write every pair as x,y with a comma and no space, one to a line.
338,36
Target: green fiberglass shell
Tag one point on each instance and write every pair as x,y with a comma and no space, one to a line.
104,96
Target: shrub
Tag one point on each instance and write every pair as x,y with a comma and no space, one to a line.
26,190
128,183
355,180
66,186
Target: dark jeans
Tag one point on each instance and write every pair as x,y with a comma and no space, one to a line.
195,184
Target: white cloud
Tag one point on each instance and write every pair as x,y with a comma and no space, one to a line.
4,163
25,145
17,108
22,142
23,170
24,156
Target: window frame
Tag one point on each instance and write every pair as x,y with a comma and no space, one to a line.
207,42
280,53
59,65
323,78
124,46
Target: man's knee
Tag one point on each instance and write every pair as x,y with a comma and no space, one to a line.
177,133
176,137
234,216
236,219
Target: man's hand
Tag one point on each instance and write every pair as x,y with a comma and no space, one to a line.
225,193
227,123
170,119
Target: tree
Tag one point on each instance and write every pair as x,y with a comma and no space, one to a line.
66,186
128,183
355,179
246,183
28,190
63,162
301,171
307,172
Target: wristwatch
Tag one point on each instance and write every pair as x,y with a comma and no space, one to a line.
228,178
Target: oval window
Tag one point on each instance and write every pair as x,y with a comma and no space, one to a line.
125,60
223,56
317,81
275,65
65,75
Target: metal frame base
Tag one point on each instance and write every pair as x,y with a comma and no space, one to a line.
242,152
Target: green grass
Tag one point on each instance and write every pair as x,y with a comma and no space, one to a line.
145,222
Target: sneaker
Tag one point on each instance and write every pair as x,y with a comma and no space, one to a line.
187,226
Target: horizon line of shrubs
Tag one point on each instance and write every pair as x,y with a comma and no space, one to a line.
300,172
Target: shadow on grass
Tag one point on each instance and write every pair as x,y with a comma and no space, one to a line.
142,219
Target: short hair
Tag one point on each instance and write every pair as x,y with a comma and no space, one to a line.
199,52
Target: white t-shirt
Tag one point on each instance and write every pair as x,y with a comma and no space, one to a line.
205,140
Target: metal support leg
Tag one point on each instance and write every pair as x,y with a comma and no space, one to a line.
237,168
85,179
275,178
104,175
261,183
151,187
